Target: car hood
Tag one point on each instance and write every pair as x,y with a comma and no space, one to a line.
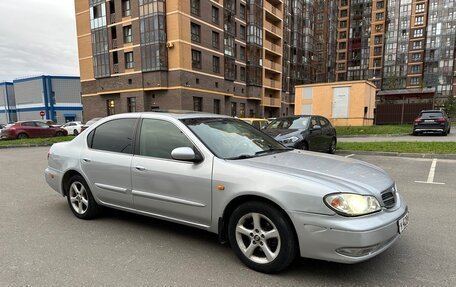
281,133
339,173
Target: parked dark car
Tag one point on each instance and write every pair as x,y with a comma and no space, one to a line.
432,121
89,123
31,129
308,132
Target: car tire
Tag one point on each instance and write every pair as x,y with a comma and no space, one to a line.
59,134
80,199
75,132
22,136
258,228
415,133
332,146
305,146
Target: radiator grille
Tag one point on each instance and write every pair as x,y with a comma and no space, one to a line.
389,197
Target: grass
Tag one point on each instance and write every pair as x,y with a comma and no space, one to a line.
374,130
402,147
34,141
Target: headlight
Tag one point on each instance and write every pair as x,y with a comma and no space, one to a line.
350,204
290,140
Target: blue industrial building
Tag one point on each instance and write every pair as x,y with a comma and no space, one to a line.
59,97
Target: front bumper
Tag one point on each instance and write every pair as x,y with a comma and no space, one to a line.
322,236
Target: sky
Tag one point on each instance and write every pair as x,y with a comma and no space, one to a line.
37,37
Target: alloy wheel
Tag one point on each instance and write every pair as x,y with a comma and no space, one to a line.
258,238
79,198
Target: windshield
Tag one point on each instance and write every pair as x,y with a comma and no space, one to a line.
289,123
232,139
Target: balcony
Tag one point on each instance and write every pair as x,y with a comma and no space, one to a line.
271,65
112,18
273,29
114,43
274,102
115,68
273,11
277,49
272,84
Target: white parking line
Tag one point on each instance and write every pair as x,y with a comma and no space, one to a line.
350,155
430,178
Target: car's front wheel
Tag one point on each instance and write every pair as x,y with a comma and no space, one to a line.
262,237
332,146
80,199
59,134
75,132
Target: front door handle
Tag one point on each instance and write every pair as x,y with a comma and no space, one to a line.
86,159
140,168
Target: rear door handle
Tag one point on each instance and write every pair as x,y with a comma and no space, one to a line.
140,168
86,159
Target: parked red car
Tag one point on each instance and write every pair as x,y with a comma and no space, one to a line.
31,129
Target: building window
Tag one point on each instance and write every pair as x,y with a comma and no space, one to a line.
215,15
379,16
132,105
242,110
419,8
129,60
377,51
195,7
196,32
419,20
126,8
342,45
341,56
380,5
111,107
416,56
216,106
242,11
343,24
379,28
127,34
341,66
378,39
233,109
418,33
242,53
417,45
242,73
215,64
415,81
196,59
342,35
242,32
198,104
343,13
415,69
215,40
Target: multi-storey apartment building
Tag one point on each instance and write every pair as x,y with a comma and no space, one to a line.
7,103
206,55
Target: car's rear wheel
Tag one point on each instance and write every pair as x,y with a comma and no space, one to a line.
59,134
75,132
80,199
332,146
22,136
262,237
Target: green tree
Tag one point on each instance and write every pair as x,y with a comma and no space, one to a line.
450,106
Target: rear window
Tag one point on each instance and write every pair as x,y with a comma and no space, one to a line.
28,124
431,115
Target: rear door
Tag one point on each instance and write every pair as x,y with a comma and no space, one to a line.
31,129
315,137
107,159
44,130
327,132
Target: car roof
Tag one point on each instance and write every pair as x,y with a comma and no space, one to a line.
178,114
294,117
253,119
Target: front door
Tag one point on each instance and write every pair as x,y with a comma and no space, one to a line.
178,190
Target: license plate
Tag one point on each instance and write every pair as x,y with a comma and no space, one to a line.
429,121
403,222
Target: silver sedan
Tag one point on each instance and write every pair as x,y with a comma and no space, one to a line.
220,174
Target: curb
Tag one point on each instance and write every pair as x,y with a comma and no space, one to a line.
397,154
24,146
374,136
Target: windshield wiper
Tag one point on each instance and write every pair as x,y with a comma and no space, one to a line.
272,150
242,156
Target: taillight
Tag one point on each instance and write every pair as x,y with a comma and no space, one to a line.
440,120
418,120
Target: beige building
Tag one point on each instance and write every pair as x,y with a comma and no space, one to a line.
343,103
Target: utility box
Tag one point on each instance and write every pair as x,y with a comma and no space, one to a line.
350,103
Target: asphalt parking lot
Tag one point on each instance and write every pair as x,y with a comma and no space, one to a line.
43,244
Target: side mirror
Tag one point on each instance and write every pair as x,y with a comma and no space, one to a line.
185,154
315,128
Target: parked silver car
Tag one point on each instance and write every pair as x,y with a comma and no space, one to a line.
225,176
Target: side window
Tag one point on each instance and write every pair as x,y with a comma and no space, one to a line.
323,122
42,125
115,136
313,122
158,139
28,124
